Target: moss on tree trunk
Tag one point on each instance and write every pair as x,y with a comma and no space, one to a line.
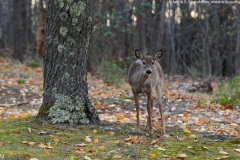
43,111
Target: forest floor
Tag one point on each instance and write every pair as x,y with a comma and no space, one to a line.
197,128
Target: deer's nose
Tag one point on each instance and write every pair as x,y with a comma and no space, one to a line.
148,71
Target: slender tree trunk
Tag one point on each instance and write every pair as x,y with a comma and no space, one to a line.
160,9
121,33
41,28
207,70
237,60
171,37
141,19
65,98
20,29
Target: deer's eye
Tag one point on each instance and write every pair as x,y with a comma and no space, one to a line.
152,63
144,63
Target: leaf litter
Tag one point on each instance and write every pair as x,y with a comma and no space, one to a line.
190,112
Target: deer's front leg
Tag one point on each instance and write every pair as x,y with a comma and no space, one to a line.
149,110
159,93
136,98
147,125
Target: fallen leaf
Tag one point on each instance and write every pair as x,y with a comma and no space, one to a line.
79,151
234,125
186,130
154,141
11,117
189,147
95,141
81,145
157,124
204,147
46,151
88,139
223,157
234,133
87,158
25,142
185,114
23,115
184,119
165,156
92,150
120,116
110,133
223,152
161,149
32,143
238,150
95,131
102,147
26,155
43,146
117,157
192,136
202,120
183,156
152,155
54,138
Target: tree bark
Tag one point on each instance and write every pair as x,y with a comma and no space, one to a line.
20,29
41,28
207,70
237,60
171,37
141,19
5,24
65,98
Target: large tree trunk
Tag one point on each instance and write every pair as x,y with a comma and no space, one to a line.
65,98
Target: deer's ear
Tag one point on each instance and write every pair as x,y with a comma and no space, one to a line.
138,54
158,55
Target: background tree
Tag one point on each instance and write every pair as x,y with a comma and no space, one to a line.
20,27
65,98
41,27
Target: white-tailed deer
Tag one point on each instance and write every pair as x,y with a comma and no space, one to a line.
144,75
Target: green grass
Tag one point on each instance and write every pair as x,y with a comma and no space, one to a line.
229,93
14,132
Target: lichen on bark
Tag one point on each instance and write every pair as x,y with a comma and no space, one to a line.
63,31
65,110
77,8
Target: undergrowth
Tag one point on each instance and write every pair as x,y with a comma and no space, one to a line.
111,72
229,93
